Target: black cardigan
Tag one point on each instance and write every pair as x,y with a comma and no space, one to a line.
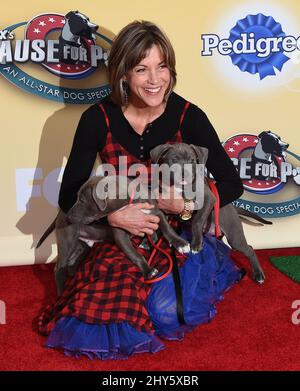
196,129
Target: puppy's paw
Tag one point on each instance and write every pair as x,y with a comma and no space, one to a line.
153,272
259,277
196,251
185,249
196,247
181,245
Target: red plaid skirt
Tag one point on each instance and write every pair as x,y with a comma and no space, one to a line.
107,288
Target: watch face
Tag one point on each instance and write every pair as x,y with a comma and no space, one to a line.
185,216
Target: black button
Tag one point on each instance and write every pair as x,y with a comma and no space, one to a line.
147,131
141,156
141,147
141,138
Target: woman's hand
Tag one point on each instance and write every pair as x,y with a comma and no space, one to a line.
134,220
171,202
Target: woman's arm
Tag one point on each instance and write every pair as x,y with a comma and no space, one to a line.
88,140
198,130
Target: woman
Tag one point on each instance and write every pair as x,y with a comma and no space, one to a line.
106,309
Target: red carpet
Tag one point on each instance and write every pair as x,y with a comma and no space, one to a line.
252,330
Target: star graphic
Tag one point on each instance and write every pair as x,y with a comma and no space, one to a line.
230,149
52,20
36,31
256,141
42,23
63,21
245,139
236,143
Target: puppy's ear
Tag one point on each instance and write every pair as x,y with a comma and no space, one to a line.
69,14
201,153
100,195
157,152
262,134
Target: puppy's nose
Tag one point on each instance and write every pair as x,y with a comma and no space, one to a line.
284,145
93,26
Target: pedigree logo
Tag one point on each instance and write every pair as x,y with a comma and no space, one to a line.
256,44
67,46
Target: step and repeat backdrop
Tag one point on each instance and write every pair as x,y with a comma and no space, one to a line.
237,60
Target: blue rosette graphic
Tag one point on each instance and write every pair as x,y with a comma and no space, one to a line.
258,26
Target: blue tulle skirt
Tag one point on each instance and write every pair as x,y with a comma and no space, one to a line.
204,279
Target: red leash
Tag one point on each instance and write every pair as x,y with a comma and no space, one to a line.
214,190
156,247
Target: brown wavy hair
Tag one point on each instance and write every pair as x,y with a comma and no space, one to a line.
130,47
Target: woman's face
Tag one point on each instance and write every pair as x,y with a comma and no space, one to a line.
149,80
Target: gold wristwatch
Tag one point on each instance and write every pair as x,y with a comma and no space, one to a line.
187,212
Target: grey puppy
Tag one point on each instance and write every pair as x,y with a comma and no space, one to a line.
82,221
92,204
230,223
